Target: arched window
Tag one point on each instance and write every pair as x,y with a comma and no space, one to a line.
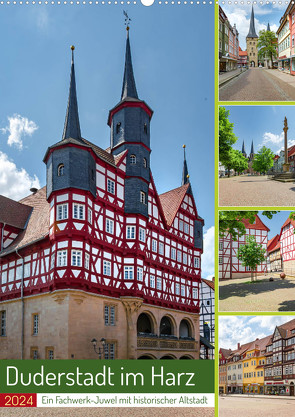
144,324
166,327
132,159
118,126
185,329
144,162
142,197
60,170
145,128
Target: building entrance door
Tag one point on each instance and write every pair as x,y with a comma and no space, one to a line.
292,390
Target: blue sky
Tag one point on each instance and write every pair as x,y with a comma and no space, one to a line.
169,73
262,124
243,329
264,13
275,223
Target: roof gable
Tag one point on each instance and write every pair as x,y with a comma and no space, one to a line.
258,225
14,213
38,224
171,201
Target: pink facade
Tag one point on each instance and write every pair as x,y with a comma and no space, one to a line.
292,39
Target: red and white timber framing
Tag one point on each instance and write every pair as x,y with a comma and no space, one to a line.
91,252
287,241
229,264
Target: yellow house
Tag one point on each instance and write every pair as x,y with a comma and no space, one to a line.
253,366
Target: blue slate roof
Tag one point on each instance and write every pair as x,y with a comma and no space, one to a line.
129,87
252,32
72,124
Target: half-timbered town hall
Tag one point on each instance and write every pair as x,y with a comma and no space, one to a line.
97,255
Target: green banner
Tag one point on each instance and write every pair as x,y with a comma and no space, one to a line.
106,376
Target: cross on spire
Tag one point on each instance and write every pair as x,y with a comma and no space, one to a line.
72,124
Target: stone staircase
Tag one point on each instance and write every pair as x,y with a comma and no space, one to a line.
285,177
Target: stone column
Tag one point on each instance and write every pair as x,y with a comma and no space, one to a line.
131,304
286,165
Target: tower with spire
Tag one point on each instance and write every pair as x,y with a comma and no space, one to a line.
243,150
70,162
252,40
252,154
129,121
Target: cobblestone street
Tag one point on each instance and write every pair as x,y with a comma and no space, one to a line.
259,84
232,406
255,191
262,295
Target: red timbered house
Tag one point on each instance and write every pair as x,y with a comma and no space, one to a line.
279,371
97,253
229,264
274,258
287,242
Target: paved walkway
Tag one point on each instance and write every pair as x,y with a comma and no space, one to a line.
262,295
235,406
259,84
262,397
224,76
255,191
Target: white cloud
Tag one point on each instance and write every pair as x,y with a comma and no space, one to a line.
269,137
244,329
15,183
42,18
235,329
290,143
270,322
208,255
241,17
18,127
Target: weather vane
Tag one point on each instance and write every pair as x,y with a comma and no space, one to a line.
127,19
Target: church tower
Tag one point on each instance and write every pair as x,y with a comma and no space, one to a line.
129,121
252,39
243,150
251,156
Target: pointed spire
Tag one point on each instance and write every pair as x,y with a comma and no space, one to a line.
243,148
185,176
268,27
252,32
252,149
72,124
129,87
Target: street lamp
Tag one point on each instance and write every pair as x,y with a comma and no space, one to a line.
99,350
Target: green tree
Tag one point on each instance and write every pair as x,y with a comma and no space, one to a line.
239,162
251,254
232,221
226,136
267,43
236,161
263,160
